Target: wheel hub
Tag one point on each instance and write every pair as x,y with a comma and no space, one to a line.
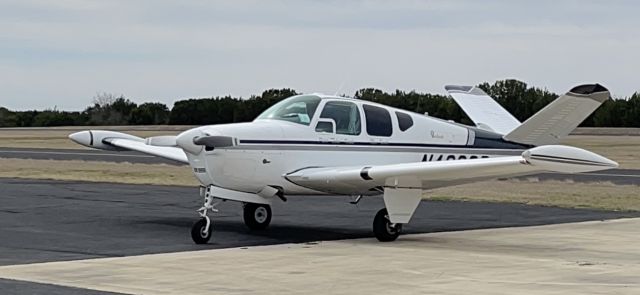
391,228
260,214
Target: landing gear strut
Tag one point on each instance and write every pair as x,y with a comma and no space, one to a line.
257,216
203,228
383,229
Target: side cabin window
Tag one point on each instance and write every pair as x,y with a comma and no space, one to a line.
378,121
404,121
345,115
325,126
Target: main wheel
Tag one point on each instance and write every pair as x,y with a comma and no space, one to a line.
198,234
257,216
383,229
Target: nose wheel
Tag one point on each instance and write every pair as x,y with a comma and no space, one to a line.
257,216
383,229
201,231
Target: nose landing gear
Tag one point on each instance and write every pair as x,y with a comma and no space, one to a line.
257,213
203,228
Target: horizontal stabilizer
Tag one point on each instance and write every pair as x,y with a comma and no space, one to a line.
483,110
560,117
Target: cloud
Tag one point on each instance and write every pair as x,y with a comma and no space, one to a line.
63,52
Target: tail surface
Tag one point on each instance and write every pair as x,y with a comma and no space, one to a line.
561,116
548,126
485,112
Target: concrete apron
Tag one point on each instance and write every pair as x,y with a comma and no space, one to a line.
587,257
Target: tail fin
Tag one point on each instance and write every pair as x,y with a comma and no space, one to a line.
560,117
485,112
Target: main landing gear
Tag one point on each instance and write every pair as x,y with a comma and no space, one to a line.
257,216
383,229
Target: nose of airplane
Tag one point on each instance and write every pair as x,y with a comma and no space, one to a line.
185,141
83,137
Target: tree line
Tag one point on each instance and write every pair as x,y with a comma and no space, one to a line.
516,96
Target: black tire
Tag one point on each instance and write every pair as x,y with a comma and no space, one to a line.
257,216
382,228
198,234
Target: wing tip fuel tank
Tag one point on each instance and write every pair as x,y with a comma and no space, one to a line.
82,138
96,139
562,158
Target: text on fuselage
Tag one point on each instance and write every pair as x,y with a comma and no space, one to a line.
445,157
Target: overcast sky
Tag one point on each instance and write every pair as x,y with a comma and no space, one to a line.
61,53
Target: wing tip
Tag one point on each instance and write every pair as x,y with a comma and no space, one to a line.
595,91
464,89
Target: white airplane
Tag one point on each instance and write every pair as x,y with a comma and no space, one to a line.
317,144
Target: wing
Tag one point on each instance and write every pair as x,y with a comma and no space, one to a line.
160,146
403,184
428,175
171,153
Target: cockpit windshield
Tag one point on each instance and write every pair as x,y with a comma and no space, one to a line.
297,109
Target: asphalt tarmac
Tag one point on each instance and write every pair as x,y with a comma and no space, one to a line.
83,155
616,176
43,220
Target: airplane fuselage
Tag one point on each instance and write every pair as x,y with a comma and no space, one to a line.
268,149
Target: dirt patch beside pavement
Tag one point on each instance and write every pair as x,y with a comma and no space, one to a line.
596,195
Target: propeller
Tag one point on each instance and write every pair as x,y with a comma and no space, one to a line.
193,140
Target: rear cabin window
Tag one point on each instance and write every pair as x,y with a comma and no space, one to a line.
378,121
404,121
345,114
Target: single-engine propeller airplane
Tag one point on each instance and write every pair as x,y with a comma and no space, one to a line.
315,144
